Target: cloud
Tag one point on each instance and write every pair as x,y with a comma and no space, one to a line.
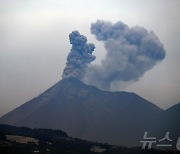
79,57
130,52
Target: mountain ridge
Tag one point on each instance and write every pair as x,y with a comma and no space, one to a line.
86,112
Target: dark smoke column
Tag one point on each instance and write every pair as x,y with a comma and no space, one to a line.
79,57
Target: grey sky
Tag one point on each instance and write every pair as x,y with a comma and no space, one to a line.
34,44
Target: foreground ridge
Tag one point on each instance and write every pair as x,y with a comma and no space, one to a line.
56,141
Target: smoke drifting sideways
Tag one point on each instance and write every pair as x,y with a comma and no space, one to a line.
79,57
130,52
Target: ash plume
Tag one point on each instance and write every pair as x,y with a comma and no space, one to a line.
130,52
79,57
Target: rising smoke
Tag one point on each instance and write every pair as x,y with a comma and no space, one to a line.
79,57
130,52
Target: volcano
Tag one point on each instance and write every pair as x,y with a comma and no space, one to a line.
85,112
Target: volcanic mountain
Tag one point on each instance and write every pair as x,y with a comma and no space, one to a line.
86,112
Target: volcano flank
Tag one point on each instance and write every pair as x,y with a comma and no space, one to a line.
86,112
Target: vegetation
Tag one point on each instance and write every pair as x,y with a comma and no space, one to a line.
58,142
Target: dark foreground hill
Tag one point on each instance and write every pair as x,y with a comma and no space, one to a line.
86,112
15,140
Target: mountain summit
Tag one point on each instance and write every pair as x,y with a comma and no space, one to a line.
86,112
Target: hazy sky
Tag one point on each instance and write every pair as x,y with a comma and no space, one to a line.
34,44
